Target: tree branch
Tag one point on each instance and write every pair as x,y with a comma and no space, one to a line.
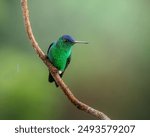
53,70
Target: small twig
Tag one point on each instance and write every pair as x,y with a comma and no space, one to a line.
53,70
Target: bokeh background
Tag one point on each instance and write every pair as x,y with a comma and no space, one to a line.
111,73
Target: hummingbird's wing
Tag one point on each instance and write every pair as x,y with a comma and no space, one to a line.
68,61
50,77
49,48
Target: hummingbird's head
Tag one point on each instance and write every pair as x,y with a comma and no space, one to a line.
67,40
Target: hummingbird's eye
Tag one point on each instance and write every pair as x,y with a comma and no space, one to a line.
65,40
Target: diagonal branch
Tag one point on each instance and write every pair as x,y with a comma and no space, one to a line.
53,70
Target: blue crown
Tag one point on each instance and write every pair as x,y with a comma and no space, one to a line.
68,38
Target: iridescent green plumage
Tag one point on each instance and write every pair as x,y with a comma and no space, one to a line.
59,53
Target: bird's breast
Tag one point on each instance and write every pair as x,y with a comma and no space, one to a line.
59,59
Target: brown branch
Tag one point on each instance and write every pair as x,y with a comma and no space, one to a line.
53,70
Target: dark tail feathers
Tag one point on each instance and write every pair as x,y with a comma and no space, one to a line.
51,79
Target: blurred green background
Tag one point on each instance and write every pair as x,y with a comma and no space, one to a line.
111,73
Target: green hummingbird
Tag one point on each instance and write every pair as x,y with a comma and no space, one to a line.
59,54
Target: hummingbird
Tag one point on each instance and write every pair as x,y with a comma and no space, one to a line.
59,54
